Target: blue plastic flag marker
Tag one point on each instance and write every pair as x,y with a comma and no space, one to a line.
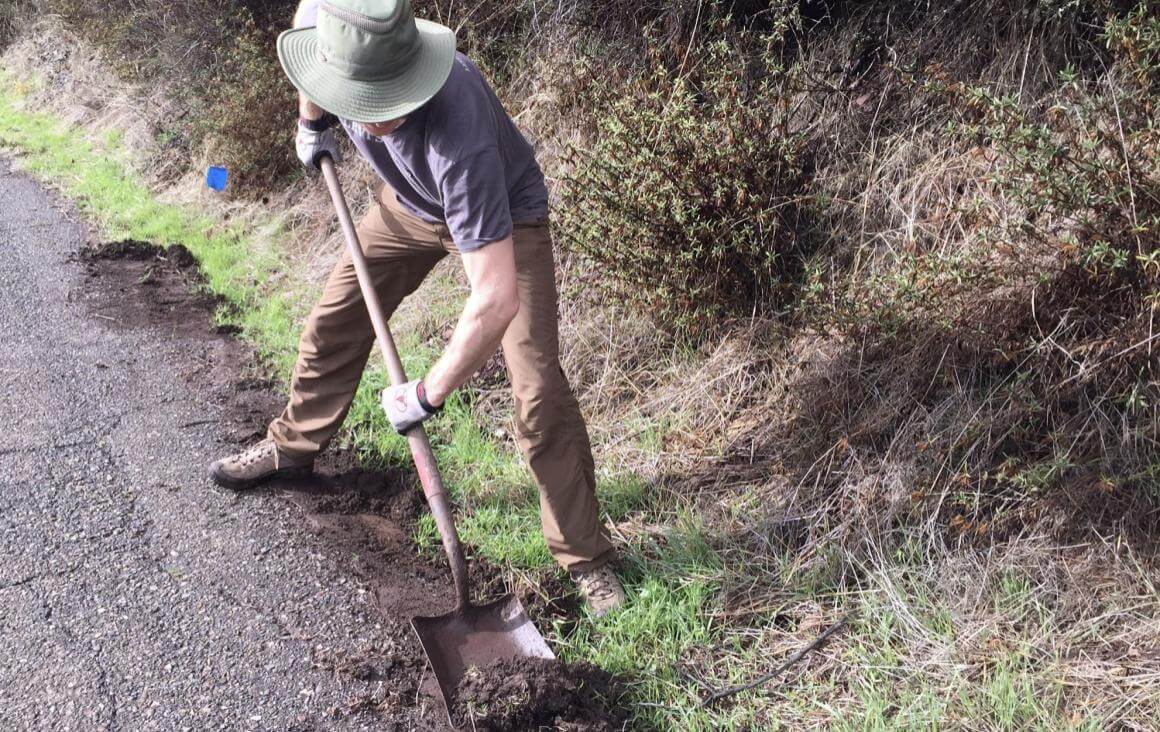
217,178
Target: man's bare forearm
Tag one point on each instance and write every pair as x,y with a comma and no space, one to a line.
486,315
477,334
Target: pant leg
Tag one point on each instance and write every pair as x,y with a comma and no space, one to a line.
549,427
338,336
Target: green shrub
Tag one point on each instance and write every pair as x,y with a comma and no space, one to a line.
687,205
249,111
1074,198
1079,174
216,62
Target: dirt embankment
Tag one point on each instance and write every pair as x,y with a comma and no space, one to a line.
361,517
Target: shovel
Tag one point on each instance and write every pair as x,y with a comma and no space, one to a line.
470,635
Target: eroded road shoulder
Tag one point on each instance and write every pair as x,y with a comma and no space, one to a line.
133,593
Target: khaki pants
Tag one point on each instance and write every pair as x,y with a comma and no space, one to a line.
401,249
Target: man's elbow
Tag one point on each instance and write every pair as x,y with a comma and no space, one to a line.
506,305
492,273
498,305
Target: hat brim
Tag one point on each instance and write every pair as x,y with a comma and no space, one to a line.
369,101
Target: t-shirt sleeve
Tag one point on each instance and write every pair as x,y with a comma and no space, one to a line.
475,200
307,14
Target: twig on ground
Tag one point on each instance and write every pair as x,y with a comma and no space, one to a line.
720,694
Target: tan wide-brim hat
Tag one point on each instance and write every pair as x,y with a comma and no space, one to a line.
368,60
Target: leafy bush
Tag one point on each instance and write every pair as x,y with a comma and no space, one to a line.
687,205
248,109
217,64
1081,181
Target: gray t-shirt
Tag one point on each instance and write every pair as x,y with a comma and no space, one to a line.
459,159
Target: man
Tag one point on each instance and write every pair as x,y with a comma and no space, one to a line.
458,177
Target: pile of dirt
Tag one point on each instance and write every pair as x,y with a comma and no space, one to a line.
134,284
176,254
362,518
536,693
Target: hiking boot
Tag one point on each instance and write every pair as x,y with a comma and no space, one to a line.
600,588
258,463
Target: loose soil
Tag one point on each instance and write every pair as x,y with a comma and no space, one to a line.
532,693
363,519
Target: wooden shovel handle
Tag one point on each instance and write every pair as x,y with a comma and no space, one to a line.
417,437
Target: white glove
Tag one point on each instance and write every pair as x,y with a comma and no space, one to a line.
406,405
313,143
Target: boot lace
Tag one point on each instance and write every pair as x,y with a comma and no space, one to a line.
598,583
253,454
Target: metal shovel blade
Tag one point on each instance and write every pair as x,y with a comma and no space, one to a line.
477,636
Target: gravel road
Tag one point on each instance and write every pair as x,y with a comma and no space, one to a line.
133,593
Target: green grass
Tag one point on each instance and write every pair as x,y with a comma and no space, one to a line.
675,628
674,582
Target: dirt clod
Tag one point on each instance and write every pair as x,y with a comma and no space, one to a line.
535,693
140,251
135,284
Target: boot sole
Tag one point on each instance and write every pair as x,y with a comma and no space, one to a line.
238,484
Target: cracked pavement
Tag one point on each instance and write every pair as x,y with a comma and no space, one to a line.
134,594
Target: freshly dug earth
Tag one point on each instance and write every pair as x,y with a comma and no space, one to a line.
362,518
535,693
134,284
